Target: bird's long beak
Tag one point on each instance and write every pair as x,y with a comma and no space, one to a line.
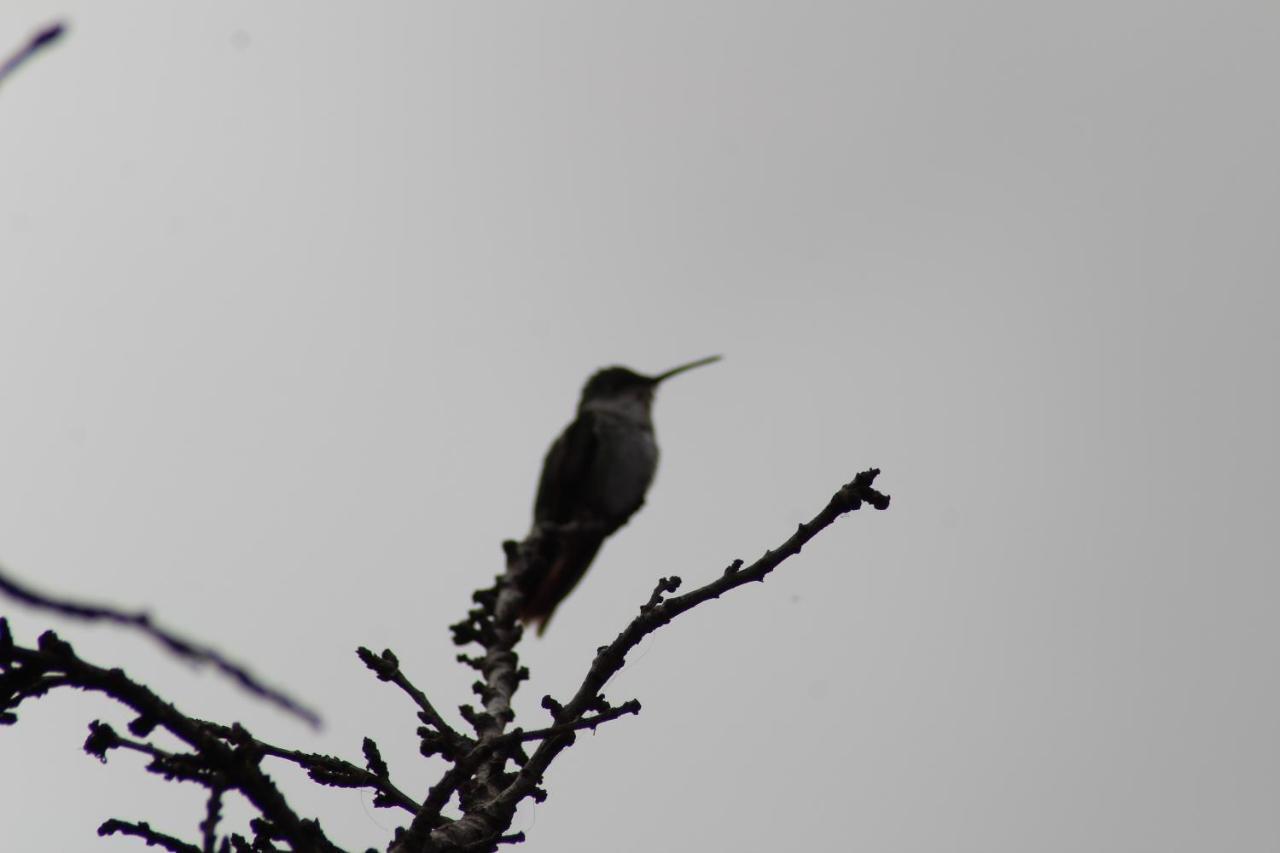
682,368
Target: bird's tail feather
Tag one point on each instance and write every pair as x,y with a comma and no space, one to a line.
570,556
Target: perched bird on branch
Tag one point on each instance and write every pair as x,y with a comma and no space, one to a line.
594,478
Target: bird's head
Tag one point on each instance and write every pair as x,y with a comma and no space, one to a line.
621,386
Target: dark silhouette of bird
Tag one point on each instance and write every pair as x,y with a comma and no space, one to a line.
593,480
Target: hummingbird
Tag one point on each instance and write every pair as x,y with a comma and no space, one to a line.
594,478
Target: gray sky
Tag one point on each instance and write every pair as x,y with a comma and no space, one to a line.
293,299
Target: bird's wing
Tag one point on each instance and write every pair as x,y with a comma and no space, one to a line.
566,469
567,552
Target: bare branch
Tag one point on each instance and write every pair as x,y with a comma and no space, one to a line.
479,775
387,667
322,769
176,644
228,758
484,822
330,770
630,707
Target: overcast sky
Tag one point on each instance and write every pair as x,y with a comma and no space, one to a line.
293,299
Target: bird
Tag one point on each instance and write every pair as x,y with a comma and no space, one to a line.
594,478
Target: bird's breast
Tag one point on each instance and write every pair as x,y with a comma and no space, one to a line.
626,459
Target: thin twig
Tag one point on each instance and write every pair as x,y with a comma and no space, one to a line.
387,667
321,765
323,769
212,814
630,707
144,831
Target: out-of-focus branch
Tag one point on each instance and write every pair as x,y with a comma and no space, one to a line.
176,644
38,42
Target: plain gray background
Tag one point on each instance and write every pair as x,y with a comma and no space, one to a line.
294,297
